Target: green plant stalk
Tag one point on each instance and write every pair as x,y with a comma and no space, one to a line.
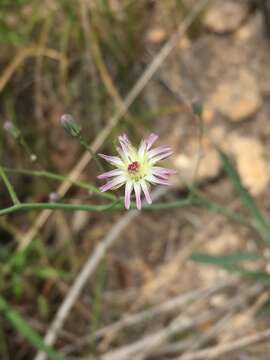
57,177
56,206
9,187
245,196
201,202
217,208
115,205
94,156
85,207
26,147
97,302
3,345
230,263
260,223
24,329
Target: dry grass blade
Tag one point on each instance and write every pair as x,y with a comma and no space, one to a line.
216,351
148,343
172,304
168,306
183,345
103,135
23,55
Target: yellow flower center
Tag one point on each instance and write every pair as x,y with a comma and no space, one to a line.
136,171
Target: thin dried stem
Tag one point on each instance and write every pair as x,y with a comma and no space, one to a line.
176,303
22,56
147,344
216,352
9,187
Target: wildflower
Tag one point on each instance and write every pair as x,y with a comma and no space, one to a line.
136,168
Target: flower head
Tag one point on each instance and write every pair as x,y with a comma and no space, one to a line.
136,168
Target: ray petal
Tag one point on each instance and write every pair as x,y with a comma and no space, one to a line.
128,190
118,181
146,192
155,180
109,174
137,189
150,140
161,157
114,160
158,150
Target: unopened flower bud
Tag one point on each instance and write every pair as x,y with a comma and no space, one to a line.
197,107
54,197
12,129
33,157
70,125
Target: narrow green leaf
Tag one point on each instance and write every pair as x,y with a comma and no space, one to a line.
9,187
97,303
31,335
4,354
225,260
231,263
47,272
261,224
53,176
255,274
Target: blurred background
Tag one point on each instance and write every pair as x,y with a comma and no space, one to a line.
137,66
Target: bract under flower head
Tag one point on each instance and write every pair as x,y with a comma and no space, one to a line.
136,168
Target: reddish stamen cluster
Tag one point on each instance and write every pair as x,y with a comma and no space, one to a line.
134,166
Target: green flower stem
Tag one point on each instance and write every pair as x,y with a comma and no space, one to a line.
57,177
116,205
55,206
9,186
214,207
26,147
167,206
85,207
200,202
94,156
199,199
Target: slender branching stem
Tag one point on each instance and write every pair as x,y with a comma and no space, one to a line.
94,156
118,205
53,176
9,187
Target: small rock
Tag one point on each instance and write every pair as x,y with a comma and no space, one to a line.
237,98
226,242
244,34
156,35
196,167
208,114
225,16
184,43
209,274
240,321
250,161
218,300
251,30
201,160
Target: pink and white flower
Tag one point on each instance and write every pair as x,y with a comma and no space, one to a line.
136,168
